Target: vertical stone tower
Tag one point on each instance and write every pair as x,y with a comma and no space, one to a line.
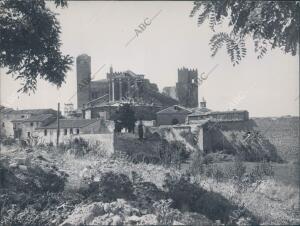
187,87
83,67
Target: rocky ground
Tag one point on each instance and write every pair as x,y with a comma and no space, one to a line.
45,186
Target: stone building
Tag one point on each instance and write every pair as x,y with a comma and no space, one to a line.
9,115
83,68
172,115
68,128
26,128
101,98
218,116
187,87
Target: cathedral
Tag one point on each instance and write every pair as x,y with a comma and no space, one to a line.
101,98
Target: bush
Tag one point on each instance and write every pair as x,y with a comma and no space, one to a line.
146,194
165,214
188,196
173,153
239,169
196,166
111,187
78,146
261,171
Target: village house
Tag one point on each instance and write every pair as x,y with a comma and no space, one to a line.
220,116
26,128
8,115
70,128
172,115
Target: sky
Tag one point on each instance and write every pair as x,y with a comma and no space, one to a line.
105,30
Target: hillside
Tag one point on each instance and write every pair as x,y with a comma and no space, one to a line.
283,133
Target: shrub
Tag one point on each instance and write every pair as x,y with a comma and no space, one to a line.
261,171
173,153
196,166
239,169
78,146
165,215
111,187
208,159
146,194
188,196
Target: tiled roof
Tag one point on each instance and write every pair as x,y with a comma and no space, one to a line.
208,112
35,118
70,123
174,109
35,111
200,111
6,110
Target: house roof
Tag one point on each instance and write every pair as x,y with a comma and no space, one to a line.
5,110
70,123
35,111
200,111
233,111
208,112
174,109
35,118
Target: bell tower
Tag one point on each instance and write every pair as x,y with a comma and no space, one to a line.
83,70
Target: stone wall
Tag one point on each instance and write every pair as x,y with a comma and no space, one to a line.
167,119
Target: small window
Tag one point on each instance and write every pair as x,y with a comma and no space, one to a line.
71,131
28,134
45,132
22,116
65,131
77,131
31,124
3,125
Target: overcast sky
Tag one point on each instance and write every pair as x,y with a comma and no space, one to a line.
267,87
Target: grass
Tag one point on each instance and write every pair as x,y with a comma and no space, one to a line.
286,173
272,202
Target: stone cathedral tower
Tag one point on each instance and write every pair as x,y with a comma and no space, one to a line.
187,87
83,67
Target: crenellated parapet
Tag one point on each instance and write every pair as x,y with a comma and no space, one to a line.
187,87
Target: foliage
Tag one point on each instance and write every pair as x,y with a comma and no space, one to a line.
196,166
173,153
271,24
77,146
163,212
261,171
239,169
189,196
30,43
146,194
111,187
125,118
